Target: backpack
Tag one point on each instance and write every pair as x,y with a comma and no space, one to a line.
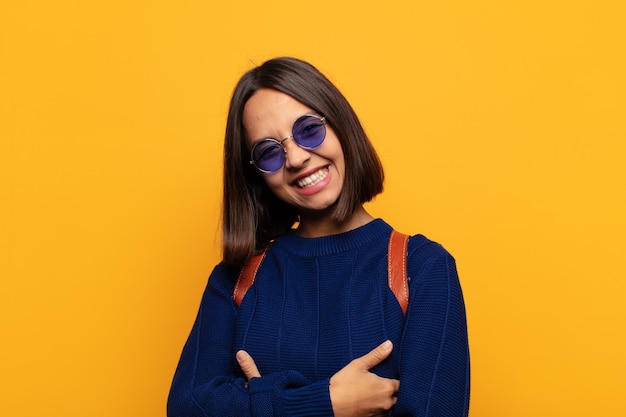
396,271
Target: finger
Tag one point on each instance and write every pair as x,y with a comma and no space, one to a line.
391,388
395,384
376,355
247,365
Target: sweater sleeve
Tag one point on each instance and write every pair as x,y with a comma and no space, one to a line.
434,358
208,382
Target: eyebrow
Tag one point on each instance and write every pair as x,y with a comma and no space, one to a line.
308,113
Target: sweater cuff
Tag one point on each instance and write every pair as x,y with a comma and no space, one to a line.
290,394
312,400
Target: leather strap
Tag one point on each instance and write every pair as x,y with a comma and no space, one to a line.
247,276
396,271
396,265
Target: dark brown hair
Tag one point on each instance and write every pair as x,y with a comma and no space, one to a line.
252,216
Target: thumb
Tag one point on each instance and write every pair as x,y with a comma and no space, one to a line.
247,365
376,355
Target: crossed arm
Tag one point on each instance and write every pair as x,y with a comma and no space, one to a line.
354,390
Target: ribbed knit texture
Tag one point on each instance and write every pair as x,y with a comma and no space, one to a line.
316,304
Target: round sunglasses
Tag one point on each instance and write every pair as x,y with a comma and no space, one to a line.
309,132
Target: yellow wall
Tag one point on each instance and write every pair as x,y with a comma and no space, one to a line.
111,121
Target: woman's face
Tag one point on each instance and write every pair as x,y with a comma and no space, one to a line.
311,179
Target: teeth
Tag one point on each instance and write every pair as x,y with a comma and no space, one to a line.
313,178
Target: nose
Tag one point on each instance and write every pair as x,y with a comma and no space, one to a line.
295,156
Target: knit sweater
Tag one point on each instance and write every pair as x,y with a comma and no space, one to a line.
317,304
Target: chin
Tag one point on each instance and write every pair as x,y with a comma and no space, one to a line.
322,208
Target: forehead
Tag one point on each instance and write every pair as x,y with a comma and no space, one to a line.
269,112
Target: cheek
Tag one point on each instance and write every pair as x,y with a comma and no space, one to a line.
333,146
339,157
274,182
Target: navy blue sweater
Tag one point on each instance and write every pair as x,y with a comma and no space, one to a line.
316,304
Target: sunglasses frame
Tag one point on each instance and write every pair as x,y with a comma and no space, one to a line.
280,142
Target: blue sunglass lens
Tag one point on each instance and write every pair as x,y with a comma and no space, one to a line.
268,155
309,132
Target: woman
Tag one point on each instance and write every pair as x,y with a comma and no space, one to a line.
319,332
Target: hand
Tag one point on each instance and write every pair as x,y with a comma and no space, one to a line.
247,365
357,392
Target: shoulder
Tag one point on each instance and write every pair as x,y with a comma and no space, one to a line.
421,246
223,277
423,254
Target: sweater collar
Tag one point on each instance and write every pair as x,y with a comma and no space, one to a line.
326,245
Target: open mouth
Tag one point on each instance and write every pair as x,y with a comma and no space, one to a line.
313,179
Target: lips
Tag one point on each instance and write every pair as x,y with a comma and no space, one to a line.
311,179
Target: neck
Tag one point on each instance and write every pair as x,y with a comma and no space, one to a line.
314,226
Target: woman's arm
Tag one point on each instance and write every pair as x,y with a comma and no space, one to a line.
204,383
434,359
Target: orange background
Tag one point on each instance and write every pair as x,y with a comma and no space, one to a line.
111,123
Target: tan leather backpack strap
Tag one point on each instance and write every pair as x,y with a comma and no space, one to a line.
396,271
247,276
398,246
